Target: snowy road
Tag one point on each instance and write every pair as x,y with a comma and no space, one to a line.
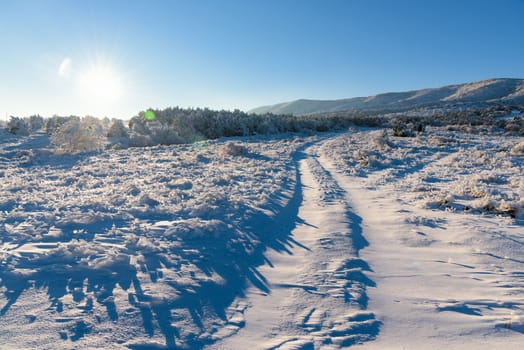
316,293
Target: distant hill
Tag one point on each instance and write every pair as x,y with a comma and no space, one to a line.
485,91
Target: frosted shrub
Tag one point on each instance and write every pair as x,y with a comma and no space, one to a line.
18,126
232,149
151,133
118,134
407,128
518,148
52,124
166,135
117,129
140,135
439,200
182,126
139,140
511,208
492,204
79,135
36,123
361,157
440,141
381,140
485,203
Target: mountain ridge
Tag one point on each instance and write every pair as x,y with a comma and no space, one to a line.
496,90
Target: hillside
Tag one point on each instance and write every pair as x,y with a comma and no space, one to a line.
490,91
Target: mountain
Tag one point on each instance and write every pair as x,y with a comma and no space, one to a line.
485,91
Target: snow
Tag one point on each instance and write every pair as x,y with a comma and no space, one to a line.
134,245
447,276
277,242
313,290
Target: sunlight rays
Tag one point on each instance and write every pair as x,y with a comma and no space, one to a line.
95,79
101,83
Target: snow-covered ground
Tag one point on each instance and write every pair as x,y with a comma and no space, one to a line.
311,242
443,214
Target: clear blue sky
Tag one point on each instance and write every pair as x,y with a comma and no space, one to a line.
115,58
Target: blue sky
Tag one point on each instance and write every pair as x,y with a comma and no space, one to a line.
115,58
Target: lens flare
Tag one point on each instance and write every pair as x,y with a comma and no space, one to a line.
149,115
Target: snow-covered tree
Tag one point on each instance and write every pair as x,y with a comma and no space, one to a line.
160,130
79,135
36,122
117,129
53,123
18,126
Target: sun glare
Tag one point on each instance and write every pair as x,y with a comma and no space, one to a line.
101,82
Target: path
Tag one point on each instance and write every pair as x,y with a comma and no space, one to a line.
317,295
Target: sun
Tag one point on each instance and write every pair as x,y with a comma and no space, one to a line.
101,83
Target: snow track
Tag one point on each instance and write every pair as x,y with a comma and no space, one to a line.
316,295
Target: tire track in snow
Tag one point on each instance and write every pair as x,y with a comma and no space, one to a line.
316,296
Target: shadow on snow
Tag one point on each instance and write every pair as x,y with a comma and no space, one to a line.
235,259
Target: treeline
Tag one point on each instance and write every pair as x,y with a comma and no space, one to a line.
178,125
174,126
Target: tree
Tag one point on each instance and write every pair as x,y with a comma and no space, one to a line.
79,135
53,123
18,126
36,122
117,129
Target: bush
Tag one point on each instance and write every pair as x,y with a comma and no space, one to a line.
407,127
381,140
18,126
149,133
117,129
518,148
52,124
36,123
79,135
232,149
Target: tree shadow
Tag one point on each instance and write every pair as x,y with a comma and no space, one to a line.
219,270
